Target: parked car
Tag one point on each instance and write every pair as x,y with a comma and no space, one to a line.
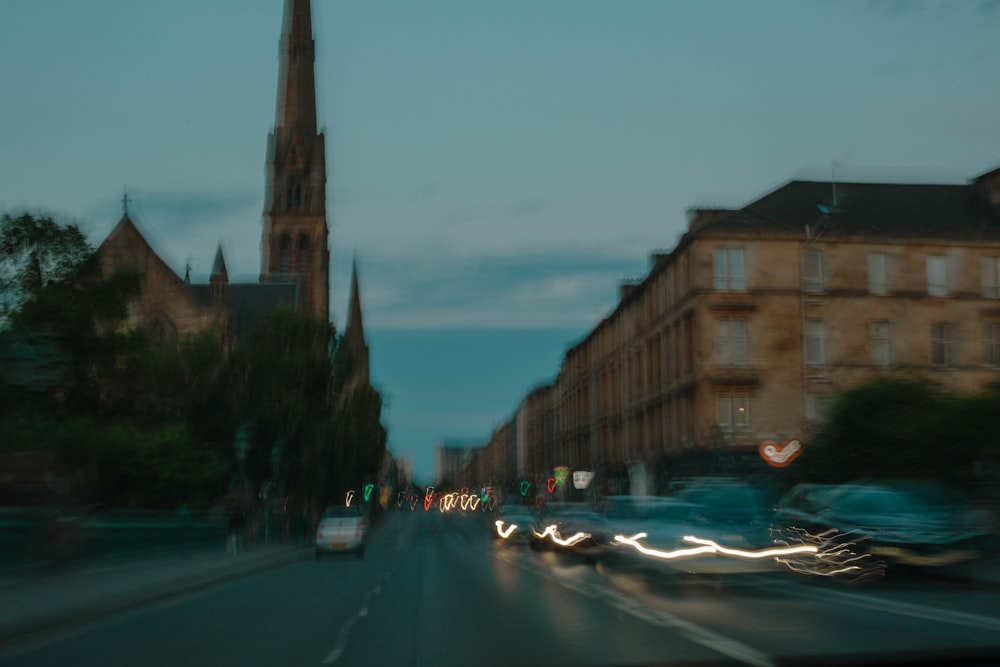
916,524
341,529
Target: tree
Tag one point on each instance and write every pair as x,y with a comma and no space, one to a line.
35,252
280,381
903,427
291,380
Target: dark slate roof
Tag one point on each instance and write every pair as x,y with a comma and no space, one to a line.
250,303
867,209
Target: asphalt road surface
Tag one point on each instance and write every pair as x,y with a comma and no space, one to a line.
435,589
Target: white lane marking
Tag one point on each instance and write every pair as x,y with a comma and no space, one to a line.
917,610
693,632
345,629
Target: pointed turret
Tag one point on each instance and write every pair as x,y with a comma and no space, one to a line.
354,332
295,240
219,280
219,265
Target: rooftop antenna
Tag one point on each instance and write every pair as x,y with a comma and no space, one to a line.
833,182
125,201
187,271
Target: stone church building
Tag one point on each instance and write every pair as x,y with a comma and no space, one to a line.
295,255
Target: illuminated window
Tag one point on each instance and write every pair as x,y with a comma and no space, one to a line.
812,271
732,412
878,282
731,346
937,276
941,352
727,268
815,343
878,337
990,268
991,344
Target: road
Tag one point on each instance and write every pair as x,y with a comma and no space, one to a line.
435,589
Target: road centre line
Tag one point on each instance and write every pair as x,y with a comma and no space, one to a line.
345,629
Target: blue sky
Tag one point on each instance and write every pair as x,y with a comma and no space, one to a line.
497,167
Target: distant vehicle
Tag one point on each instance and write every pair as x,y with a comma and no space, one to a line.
514,522
569,527
341,529
914,524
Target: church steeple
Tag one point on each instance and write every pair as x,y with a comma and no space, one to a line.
219,280
294,245
297,83
354,332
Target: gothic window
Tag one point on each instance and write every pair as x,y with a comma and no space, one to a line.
302,254
302,257
284,255
160,329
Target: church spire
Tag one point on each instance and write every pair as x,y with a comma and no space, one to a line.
297,82
354,332
295,239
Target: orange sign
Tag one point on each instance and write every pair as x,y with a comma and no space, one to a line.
781,455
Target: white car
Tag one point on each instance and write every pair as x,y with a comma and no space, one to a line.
341,529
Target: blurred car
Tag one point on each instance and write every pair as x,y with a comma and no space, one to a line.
512,524
567,526
906,523
341,529
708,527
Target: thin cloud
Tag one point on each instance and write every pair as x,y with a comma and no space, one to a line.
180,211
536,291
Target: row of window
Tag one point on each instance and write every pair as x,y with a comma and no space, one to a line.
732,343
729,273
285,254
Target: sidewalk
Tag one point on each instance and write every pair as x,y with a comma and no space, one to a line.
45,603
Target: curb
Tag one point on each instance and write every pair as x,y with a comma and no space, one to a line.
80,614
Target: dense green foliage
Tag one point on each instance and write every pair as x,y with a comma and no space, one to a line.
36,251
904,427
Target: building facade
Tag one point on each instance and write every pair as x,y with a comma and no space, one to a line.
747,330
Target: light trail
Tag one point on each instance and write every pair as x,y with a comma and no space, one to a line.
552,533
500,530
709,547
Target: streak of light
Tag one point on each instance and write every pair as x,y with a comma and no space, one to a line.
552,532
428,498
657,553
836,556
709,547
447,502
505,533
762,553
350,497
